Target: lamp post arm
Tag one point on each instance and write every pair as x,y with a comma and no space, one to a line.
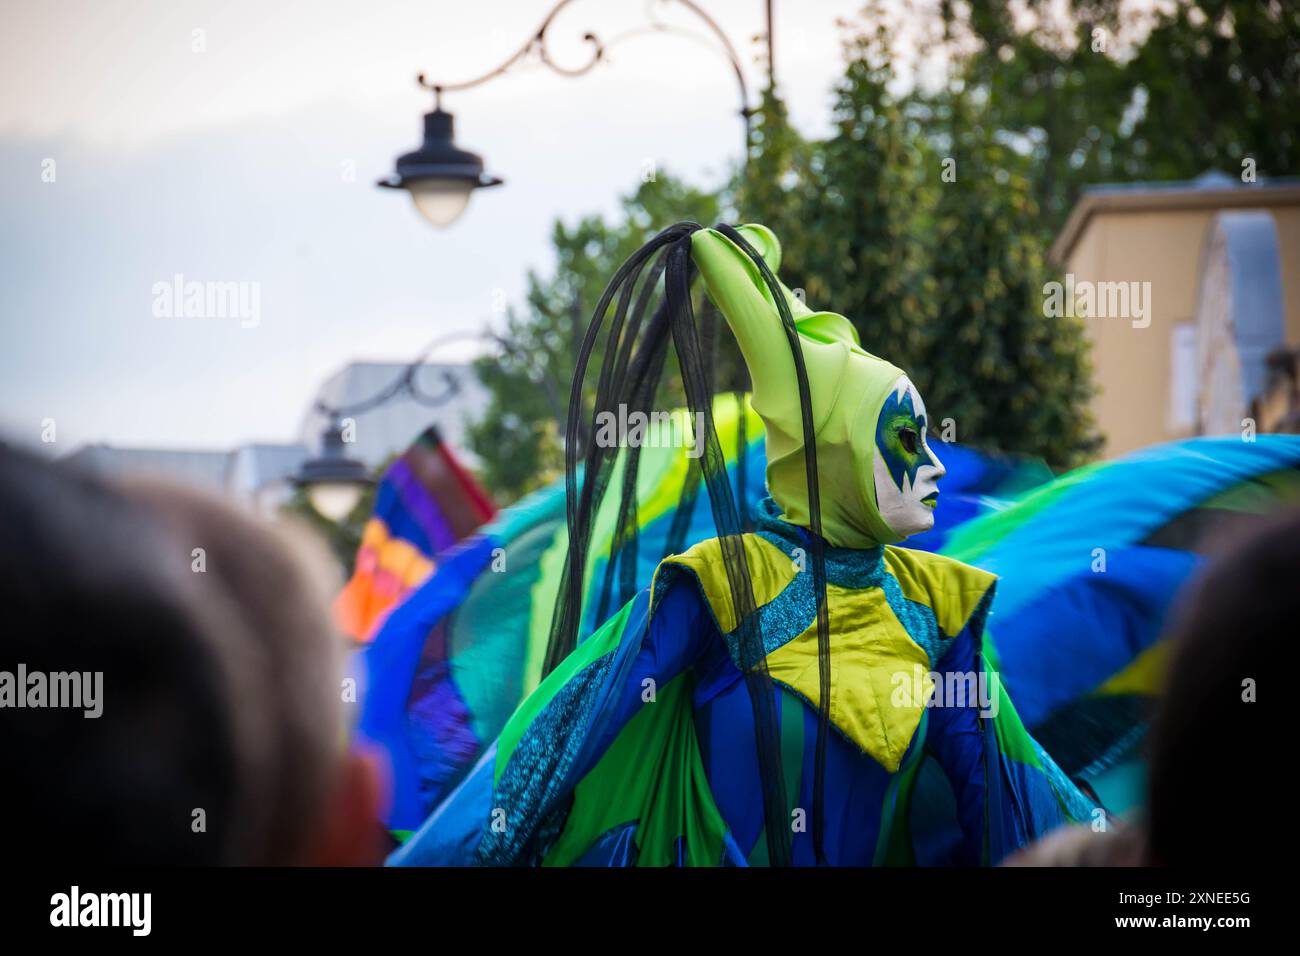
405,383
732,56
535,42
538,42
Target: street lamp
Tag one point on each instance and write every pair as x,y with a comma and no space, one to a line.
334,483
440,176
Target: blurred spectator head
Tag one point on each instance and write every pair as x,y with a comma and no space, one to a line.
1212,800
208,725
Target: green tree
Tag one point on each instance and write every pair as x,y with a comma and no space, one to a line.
849,210
519,437
914,221
1037,100
1221,82
1114,90
1008,376
869,253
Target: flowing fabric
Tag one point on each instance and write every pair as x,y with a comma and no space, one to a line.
756,635
1090,565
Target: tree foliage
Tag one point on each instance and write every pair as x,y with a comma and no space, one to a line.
917,223
519,436
1119,90
926,215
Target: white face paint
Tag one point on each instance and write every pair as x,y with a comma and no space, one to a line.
907,473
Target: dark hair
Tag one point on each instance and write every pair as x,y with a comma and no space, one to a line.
181,767
1214,795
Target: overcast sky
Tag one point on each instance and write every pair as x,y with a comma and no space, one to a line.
231,163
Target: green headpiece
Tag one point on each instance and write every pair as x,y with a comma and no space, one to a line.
845,437
849,389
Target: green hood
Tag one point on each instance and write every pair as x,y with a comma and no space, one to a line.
847,384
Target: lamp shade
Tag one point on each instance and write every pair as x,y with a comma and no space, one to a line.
439,175
334,499
333,482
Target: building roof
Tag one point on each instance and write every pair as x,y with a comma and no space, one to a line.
390,428
1210,190
203,468
241,472
252,467
248,470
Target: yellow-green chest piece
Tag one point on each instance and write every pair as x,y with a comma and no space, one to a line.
893,615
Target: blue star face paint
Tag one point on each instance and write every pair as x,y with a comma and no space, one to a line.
906,471
898,438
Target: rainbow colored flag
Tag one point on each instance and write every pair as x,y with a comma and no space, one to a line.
426,503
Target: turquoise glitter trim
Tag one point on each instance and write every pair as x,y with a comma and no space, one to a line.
918,620
778,620
781,620
1076,805
845,567
793,611
540,764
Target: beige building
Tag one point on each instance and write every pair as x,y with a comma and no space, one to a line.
1190,293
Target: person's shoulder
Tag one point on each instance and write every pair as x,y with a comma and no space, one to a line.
768,569
954,590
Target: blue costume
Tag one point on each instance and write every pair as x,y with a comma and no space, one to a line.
718,719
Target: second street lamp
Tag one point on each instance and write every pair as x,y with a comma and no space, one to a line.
333,482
